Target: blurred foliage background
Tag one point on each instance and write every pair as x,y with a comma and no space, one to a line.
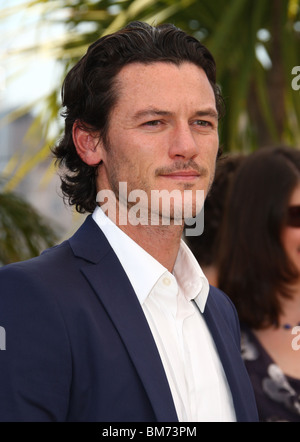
24,233
255,44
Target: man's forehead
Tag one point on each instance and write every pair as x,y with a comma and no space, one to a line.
162,86
148,78
141,68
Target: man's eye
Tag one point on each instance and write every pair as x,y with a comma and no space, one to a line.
152,123
203,123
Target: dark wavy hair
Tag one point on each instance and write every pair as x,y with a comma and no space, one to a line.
89,93
253,267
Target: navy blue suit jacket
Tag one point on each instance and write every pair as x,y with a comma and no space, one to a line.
78,346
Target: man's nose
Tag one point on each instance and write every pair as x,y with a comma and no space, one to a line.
183,143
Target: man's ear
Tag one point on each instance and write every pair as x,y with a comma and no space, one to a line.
88,145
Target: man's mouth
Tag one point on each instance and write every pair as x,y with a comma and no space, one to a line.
183,175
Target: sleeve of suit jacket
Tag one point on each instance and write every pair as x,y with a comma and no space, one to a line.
31,379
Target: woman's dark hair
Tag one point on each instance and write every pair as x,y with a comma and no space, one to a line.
89,92
253,267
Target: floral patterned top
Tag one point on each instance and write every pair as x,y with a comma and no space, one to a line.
277,395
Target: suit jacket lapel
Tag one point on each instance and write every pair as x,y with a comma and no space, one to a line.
230,356
115,292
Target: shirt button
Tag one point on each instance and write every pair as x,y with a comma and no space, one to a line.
167,281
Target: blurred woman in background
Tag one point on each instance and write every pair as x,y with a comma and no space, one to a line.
259,268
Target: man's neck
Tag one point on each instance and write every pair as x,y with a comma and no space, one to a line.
161,242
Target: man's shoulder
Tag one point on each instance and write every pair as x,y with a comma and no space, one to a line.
57,257
219,301
20,273
220,298
53,253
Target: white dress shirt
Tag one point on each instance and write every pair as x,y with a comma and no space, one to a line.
173,304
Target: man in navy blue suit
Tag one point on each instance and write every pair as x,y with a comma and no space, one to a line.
119,323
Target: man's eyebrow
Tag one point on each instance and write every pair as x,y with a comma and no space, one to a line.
150,112
210,112
153,112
